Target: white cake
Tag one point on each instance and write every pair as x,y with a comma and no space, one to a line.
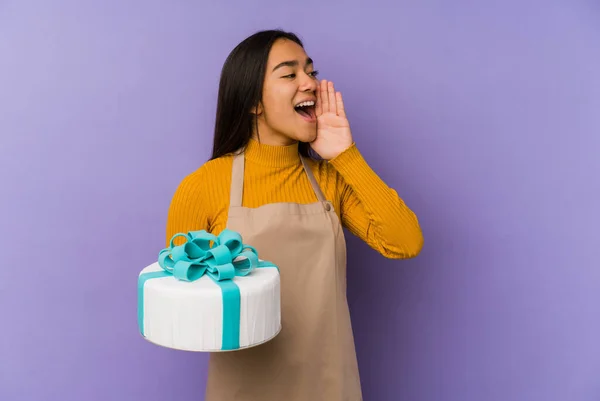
189,315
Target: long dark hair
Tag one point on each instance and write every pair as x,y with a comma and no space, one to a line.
240,91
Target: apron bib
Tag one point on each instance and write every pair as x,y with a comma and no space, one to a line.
313,358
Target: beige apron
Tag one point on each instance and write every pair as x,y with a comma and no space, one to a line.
313,357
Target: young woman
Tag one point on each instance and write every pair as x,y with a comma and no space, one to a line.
265,181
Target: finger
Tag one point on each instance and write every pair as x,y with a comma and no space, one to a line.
319,105
324,96
340,104
331,96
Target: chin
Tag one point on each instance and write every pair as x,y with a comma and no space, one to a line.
307,136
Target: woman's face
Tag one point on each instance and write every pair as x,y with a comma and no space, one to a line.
290,80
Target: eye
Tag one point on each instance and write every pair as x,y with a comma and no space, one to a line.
292,76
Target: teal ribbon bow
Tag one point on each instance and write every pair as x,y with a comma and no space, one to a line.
226,258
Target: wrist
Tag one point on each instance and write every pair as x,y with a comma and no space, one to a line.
346,156
338,152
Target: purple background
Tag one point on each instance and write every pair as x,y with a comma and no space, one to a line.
484,115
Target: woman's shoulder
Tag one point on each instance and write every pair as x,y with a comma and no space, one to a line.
213,168
322,168
209,174
327,176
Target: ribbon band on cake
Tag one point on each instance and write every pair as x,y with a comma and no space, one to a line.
226,258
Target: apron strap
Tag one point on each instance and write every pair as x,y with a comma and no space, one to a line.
237,181
313,181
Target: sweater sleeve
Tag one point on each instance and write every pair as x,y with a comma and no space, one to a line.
373,211
188,210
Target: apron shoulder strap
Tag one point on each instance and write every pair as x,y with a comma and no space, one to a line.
313,181
237,180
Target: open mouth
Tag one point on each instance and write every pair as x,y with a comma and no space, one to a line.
306,110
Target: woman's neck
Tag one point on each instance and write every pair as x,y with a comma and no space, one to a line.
272,154
273,139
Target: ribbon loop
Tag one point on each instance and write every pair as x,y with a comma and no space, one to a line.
223,272
219,255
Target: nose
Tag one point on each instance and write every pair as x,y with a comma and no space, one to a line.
308,83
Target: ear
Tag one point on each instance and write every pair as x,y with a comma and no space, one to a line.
258,110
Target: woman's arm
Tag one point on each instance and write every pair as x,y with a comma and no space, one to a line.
373,211
187,211
370,209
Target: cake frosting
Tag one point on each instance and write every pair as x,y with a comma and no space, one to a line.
209,297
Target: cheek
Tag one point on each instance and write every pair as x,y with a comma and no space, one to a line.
278,102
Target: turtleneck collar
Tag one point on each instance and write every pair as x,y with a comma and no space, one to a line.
272,155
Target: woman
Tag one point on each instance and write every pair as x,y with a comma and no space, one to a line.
272,114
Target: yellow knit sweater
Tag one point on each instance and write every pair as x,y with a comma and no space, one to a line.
363,202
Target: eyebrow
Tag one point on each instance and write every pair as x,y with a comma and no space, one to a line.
293,63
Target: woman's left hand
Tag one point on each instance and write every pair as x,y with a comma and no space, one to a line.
333,129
